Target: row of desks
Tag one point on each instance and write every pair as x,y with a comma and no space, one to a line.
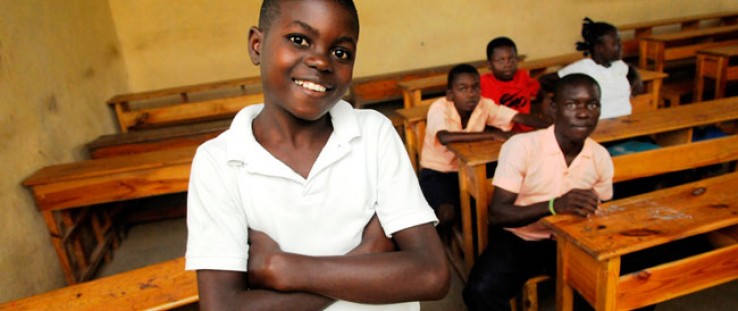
673,126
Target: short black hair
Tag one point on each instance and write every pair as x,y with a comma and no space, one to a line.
592,33
458,70
270,9
499,42
574,79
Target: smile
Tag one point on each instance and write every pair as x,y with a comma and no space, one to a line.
311,86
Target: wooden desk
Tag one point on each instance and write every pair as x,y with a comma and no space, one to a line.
715,64
666,47
162,286
148,140
685,23
590,249
674,126
62,192
413,120
187,106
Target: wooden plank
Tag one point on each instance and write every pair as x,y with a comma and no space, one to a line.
629,225
677,278
189,112
202,87
691,34
675,158
161,286
677,20
155,139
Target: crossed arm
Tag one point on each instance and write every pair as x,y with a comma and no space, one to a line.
371,273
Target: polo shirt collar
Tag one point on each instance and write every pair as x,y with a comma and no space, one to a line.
551,146
241,145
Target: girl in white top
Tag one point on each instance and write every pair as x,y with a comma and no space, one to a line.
618,81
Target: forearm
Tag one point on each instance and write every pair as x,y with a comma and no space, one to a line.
410,274
227,290
512,216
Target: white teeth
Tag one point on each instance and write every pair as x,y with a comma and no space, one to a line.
311,86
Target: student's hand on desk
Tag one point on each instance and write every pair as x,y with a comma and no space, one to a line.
262,269
580,202
373,240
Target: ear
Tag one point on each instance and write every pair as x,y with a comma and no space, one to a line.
256,37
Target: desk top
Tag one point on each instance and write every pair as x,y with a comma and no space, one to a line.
676,20
636,223
728,51
689,34
640,124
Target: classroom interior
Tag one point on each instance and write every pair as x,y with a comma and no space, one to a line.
62,61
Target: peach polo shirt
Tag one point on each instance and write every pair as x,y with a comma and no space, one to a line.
533,166
442,115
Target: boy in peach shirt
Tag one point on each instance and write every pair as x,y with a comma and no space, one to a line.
556,170
463,115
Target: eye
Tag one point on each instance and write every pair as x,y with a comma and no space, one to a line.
593,105
570,105
298,40
342,54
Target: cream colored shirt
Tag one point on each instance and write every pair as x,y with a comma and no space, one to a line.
533,166
443,115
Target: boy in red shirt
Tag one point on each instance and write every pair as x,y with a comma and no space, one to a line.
506,85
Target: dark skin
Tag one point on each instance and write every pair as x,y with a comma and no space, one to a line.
604,53
306,57
465,94
503,63
577,110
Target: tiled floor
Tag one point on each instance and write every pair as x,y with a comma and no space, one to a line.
162,240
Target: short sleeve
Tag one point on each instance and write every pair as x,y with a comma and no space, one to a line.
438,119
499,116
511,165
605,171
400,202
575,67
217,226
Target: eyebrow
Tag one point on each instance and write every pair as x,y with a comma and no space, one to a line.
315,32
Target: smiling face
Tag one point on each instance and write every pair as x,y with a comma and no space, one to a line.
503,63
577,110
464,92
306,56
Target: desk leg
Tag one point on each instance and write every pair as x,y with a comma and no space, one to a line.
595,280
56,238
721,79
483,197
564,292
411,143
699,85
466,218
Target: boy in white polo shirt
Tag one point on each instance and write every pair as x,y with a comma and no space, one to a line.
292,207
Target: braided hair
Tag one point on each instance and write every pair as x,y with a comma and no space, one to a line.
592,33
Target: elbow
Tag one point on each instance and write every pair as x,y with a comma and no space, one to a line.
437,281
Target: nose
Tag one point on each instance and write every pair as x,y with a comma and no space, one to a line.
582,112
318,61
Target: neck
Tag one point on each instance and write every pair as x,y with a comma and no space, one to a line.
601,61
464,116
275,124
570,148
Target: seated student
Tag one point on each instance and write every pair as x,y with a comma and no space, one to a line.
507,85
461,116
556,170
305,203
618,80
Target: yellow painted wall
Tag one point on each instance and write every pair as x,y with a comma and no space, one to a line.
167,44
59,62
61,59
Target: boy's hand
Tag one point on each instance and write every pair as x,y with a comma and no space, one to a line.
580,202
261,268
373,240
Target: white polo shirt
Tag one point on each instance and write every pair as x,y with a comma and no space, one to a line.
236,184
613,81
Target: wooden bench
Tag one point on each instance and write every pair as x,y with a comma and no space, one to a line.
661,48
635,31
186,104
415,116
67,194
715,64
673,126
162,286
589,250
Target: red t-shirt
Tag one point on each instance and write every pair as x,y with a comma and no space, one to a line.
516,93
